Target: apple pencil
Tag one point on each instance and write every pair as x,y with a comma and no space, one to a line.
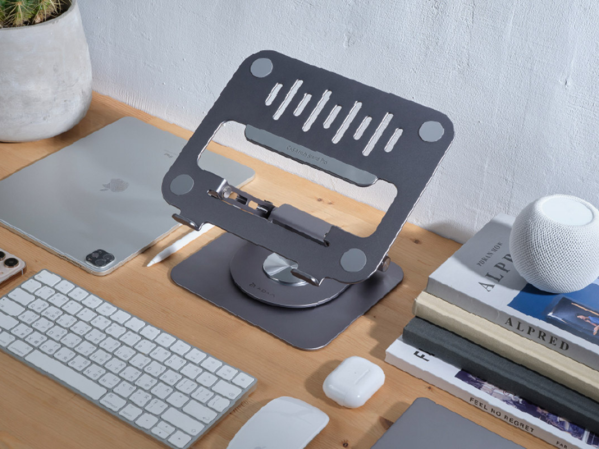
181,243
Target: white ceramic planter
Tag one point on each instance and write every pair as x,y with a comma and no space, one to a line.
45,78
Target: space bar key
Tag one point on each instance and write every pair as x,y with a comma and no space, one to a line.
66,375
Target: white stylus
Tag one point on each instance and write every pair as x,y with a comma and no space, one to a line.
181,243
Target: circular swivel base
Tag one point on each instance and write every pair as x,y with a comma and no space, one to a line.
267,277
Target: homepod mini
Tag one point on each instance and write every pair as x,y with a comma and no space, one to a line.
555,243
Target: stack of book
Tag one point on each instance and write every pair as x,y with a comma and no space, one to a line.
529,357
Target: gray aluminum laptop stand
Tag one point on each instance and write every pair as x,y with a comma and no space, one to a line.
283,269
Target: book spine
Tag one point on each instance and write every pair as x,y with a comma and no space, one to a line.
426,367
517,324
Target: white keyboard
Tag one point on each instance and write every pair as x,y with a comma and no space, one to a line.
148,378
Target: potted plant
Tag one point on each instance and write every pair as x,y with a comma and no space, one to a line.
45,69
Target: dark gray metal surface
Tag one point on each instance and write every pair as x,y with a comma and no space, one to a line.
408,165
206,274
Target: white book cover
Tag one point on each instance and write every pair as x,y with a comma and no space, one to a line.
499,403
481,279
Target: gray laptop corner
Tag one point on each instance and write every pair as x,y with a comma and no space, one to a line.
426,425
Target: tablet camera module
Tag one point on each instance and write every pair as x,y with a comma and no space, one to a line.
11,262
2,255
99,258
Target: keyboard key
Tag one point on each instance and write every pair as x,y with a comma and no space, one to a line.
95,336
135,324
39,305
131,412
155,369
130,338
92,302
79,363
226,389
130,374
58,299
31,285
177,399
180,348
106,309
149,332
101,322
100,357
66,321
156,406
45,277
10,307
52,313
6,339
226,372
140,361
85,348
20,348
124,389
140,398
35,339
115,365
29,317
145,346
161,390
64,354
87,315
21,296
94,372
192,371
66,375
109,380
115,330
45,292
80,328
182,421
57,333
109,344
64,286
7,322
165,340
146,382
78,294
50,347
175,362
200,412
146,421
170,377
124,353
186,386
113,402
160,354
163,430
211,364
71,340
202,394
21,331
195,356
218,403
120,316
42,325
72,307
179,439
207,379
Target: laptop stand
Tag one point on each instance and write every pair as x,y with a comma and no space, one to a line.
282,269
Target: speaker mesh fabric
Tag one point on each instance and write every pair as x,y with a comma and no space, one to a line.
552,256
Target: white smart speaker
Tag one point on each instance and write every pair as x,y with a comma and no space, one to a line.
555,243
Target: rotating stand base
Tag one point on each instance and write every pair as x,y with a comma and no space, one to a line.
207,274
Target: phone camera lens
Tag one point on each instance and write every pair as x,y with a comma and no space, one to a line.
11,262
100,262
2,255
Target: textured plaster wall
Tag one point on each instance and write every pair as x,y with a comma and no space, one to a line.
519,79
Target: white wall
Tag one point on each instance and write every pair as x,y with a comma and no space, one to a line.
519,79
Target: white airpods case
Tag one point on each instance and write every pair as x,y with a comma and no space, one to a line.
353,382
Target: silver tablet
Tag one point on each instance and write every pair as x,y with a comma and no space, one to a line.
98,202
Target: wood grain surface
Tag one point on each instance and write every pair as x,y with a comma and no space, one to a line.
36,412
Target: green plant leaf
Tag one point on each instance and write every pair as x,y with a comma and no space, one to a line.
19,12
46,9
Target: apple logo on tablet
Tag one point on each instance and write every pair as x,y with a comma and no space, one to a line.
115,185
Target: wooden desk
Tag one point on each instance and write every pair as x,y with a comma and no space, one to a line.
36,412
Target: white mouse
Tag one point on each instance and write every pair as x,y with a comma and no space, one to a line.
282,423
